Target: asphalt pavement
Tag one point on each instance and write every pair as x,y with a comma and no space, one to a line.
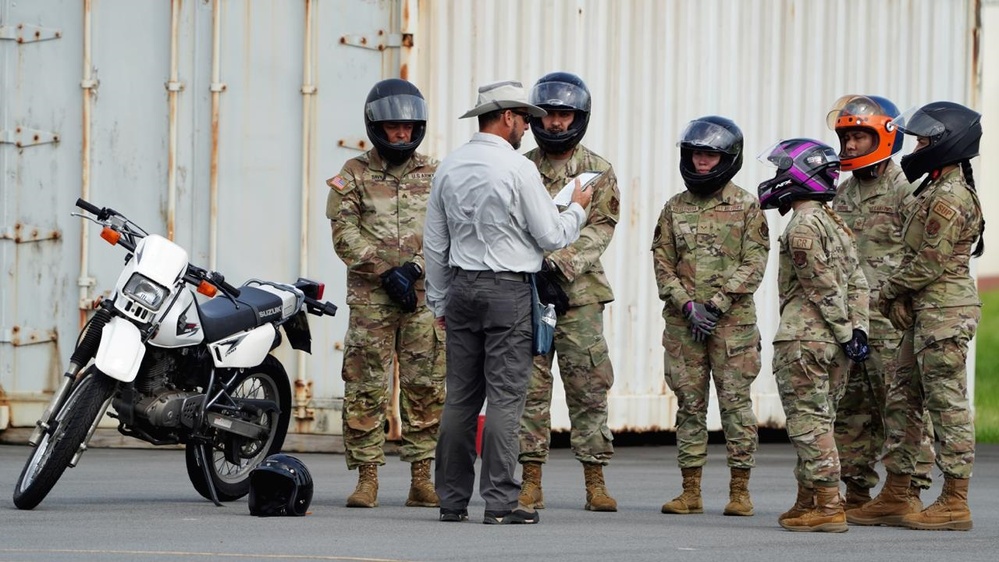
137,504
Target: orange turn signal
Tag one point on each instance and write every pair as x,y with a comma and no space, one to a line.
110,235
207,289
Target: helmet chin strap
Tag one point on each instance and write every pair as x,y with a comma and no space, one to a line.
871,172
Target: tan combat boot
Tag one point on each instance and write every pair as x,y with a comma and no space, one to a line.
530,489
739,502
366,493
856,495
949,513
914,501
826,516
597,498
802,504
421,489
888,508
690,500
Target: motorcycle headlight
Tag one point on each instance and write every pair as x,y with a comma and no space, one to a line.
148,292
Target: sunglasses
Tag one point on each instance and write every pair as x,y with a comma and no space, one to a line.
523,114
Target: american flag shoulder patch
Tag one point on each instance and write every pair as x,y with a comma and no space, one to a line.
338,183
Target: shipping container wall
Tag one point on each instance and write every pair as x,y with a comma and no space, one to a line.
217,122
773,66
213,122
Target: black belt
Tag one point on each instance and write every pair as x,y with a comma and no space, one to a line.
501,275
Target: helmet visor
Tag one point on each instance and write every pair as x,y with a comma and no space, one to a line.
919,123
402,107
707,136
809,155
560,96
852,106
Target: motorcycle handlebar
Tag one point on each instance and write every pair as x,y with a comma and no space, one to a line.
87,206
219,281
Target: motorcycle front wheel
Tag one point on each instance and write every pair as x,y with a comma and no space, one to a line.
267,381
67,430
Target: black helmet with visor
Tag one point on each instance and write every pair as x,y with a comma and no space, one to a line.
395,100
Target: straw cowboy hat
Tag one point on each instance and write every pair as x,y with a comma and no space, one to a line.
508,94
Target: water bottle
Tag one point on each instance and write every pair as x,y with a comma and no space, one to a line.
549,316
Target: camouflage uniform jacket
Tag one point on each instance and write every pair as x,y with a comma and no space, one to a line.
873,211
823,291
942,226
583,278
711,249
377,218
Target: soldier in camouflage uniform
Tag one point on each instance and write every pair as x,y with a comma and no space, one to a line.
870,203
824,303
376,207
574,278
933,296
709,252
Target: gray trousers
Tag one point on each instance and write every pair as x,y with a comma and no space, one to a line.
489,334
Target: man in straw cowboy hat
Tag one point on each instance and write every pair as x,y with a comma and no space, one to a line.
489,221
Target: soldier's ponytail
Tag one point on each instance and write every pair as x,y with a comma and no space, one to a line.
839,220
969,178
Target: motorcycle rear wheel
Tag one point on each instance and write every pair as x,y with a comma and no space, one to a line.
267,381
69,427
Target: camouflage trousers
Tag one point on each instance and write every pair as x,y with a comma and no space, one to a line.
937,381
730,357
587,376
860,425
376,336
811,378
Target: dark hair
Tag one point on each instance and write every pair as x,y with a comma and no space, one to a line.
969,178
487,118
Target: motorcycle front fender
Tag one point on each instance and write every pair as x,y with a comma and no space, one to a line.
121,350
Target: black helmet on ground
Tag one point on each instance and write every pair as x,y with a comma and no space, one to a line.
395,100
954,132
710,134
281,485
561,91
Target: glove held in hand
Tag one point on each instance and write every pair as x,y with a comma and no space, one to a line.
400,284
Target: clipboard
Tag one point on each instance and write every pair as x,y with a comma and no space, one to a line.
564,196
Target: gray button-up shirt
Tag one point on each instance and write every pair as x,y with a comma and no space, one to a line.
489,211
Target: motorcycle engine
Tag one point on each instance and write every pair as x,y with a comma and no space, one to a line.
170,408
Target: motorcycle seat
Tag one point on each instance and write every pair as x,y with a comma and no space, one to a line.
221,318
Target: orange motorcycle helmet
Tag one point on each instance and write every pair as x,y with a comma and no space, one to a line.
872,114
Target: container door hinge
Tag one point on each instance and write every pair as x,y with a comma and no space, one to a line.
27,33
378,40
21,233
23,136
22,335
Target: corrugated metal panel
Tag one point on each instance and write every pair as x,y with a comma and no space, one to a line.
774,66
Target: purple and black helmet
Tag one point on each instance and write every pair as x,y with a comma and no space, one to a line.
806,169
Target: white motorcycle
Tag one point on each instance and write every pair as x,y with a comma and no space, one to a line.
176,370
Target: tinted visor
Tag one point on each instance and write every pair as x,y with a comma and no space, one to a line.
917,122
560,96
707,136
809,155
402,107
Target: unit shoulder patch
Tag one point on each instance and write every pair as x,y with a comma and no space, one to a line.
944,210
800,243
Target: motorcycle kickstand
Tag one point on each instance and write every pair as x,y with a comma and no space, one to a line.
202,457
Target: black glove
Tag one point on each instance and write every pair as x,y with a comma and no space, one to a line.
400,284
857,349
702,319
550,292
